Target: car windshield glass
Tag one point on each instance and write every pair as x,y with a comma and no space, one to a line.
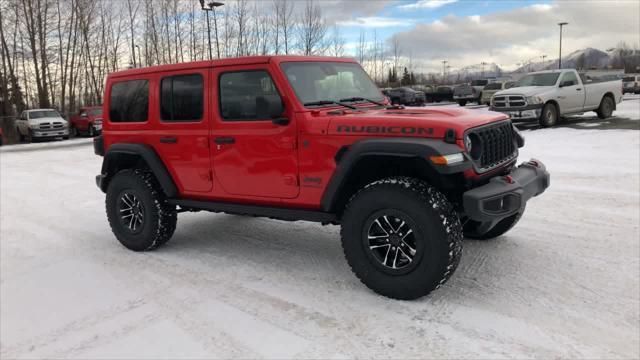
320,83
95,112
493,86
43,114
547,79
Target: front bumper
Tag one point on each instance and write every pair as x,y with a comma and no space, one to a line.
506,195
529,112
37,133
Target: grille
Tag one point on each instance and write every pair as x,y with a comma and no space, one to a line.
498,145
509,101
49,126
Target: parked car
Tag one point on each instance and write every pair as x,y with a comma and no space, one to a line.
310,138
441,93
41,124
87,121
545,96
471,92
490,89
406,96
631,84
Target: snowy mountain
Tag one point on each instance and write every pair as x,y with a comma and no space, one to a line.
588,58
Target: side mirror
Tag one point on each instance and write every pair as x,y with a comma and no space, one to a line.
83,115
280,121
567,83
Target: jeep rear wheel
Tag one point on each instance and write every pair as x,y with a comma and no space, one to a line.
549,115
401,237
138,211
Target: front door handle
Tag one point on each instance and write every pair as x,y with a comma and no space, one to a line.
578,89
169,140
224,140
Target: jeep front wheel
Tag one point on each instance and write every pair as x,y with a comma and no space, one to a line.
401,237
138,212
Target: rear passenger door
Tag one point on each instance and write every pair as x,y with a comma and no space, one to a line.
182,132
252,155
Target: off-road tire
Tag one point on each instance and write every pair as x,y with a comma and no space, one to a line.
462,102
499,229
605,110
437,234
549,115
159,219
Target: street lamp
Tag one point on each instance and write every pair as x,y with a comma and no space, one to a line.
561,24
211,6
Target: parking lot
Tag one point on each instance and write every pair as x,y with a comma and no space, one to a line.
563,283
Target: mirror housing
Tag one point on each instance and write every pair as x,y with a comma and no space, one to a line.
567,83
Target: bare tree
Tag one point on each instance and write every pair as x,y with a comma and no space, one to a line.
312,29
336,43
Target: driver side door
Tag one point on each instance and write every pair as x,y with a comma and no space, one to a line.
570,93
252,154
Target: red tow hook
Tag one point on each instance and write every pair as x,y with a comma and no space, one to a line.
508,179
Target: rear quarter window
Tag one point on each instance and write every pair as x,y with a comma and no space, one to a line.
129,101
182,98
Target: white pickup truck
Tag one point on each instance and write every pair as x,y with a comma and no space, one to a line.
545,96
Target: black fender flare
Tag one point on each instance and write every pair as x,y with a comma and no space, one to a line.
400,147
144,153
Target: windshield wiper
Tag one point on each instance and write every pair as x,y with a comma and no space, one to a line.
362,99
329,102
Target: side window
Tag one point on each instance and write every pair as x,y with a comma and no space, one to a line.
182,98
129,101
249,95
23,116
569,76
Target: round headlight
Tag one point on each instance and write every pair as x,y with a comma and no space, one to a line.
468,144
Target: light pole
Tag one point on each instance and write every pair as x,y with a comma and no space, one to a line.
561,24
444,66
212,7
139,56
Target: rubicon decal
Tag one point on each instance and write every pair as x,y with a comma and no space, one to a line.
371,129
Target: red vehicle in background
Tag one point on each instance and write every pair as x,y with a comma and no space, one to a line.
88,121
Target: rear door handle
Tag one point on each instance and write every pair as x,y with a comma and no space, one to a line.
169,140
224,140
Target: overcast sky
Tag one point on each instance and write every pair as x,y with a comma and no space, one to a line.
467,32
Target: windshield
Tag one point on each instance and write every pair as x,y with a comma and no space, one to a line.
479,82
43,114
546,79
493,86
330,81
95,112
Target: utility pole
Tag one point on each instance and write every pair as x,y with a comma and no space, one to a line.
444,69
483,64
561,24
139,56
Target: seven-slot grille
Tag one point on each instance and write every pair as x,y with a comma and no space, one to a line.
498,145
49,126
509,101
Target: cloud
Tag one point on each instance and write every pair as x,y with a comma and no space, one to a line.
427,4
376,22
512,36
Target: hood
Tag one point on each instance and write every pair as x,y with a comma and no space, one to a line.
525,90
46,120
420,122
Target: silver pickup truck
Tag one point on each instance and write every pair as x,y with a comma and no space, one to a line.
545,96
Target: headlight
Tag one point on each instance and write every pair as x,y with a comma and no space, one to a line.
468,144
534,100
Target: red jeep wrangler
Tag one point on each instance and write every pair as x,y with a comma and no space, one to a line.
87,121
311,138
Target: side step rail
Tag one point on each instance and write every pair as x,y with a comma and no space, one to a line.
254,210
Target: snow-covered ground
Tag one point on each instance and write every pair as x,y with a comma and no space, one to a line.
563,283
